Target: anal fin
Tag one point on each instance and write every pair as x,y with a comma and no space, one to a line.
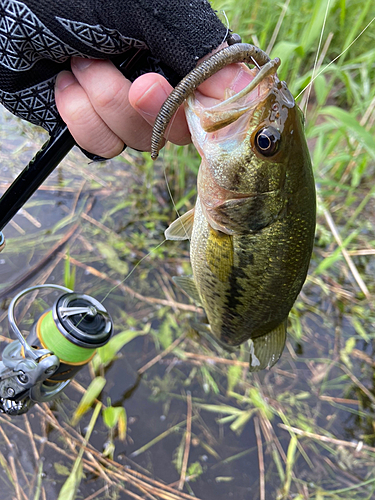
266,350
181,228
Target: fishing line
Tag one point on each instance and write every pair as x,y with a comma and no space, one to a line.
227,25
165,166
160,244
166,179
335,59
132,271
171,197
174,205
317,55
128,275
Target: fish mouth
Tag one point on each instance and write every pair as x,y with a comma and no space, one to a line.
236,52
263,79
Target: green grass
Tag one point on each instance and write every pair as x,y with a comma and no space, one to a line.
304,430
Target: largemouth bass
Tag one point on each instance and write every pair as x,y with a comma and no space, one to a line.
252,229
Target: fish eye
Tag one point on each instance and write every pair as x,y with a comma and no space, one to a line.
267,141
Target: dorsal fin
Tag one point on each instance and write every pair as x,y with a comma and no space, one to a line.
266,350
182,227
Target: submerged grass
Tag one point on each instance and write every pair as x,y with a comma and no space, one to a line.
172,408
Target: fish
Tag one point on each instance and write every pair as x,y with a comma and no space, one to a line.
252,228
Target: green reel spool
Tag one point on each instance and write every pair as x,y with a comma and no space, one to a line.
50,337
73,329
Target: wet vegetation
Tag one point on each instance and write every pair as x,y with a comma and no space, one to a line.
158,414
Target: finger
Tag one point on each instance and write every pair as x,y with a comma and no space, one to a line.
108,90
85,125
234,77
147,94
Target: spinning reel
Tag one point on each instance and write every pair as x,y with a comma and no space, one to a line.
59,344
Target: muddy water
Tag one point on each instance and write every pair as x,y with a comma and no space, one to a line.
308,388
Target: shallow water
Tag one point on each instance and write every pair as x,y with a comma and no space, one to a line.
311,388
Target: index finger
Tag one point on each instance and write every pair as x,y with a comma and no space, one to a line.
147,95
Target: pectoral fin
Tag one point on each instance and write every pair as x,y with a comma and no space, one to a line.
266,350
241,215
182,227
187,284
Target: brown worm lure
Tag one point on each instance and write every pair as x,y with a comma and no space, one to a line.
238,52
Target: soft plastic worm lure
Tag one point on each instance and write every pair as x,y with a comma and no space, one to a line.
238,52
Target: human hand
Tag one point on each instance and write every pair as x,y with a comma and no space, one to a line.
163,36
104,110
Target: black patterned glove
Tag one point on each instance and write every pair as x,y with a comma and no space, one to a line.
38,37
